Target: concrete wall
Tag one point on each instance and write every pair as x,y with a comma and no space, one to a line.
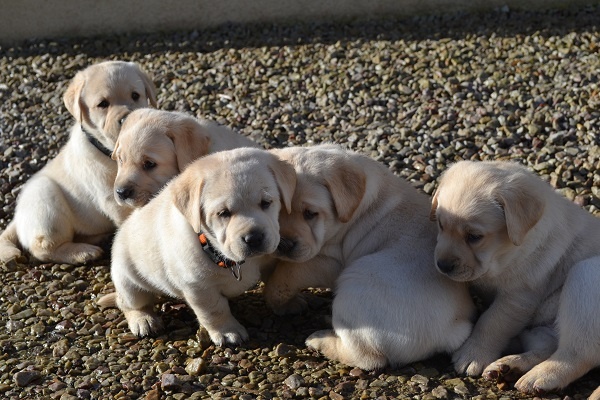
26,19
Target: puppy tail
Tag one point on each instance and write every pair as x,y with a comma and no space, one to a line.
9,242
109,300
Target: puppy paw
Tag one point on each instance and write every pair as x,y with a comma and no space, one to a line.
319,339
142,323
233,334
509,368
79,253
297,305
545,377
472,359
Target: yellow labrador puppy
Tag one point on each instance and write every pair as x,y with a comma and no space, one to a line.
156,145
191,240
537,256
356,226
67,207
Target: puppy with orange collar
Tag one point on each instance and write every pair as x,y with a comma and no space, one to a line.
189,240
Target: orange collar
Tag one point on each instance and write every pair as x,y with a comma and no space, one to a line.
219,259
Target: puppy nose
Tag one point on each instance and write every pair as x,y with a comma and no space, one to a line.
124,192
446,266
286,245
254,239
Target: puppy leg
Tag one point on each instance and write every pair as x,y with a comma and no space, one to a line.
595,395
539,344
8,243
348,352
44,224
578,333
505,318
282,290
213,313
136,303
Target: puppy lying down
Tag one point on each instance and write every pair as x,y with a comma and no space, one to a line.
536,256
356,227
155,145
223,209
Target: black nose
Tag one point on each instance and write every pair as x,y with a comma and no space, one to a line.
446,266
254,239
286,245
124,192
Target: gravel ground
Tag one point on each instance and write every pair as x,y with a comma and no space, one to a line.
415,94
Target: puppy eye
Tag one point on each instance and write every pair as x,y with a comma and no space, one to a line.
473,238
308,215
148,165
440,226
225,213
104,104
265,204
135,96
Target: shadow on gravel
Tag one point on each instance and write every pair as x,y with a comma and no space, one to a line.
499,23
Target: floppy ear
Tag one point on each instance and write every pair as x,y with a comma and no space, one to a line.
72,97
149,86
285,176
347,184
113,155
190,141
434,206
186,192
522,211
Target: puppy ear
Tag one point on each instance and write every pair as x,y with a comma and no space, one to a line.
114,154
347,184
434,206
186,191
72,97
285,176
149,86
522,211
190,141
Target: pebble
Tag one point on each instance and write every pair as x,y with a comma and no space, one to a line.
24,378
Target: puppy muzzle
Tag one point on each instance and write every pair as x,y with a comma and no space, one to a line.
447,266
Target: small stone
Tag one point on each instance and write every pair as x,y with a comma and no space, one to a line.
294,381
420,379
24,378
170,382
357,372
153,394
440,392
23,314
283,350
196,367
56,386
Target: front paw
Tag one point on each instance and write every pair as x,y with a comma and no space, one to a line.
546,377
234,333
472,358
142,323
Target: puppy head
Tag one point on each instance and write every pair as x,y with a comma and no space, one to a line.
235,197
330,188
100,96
152,148
484,212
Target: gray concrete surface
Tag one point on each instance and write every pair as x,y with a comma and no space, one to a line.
30,19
